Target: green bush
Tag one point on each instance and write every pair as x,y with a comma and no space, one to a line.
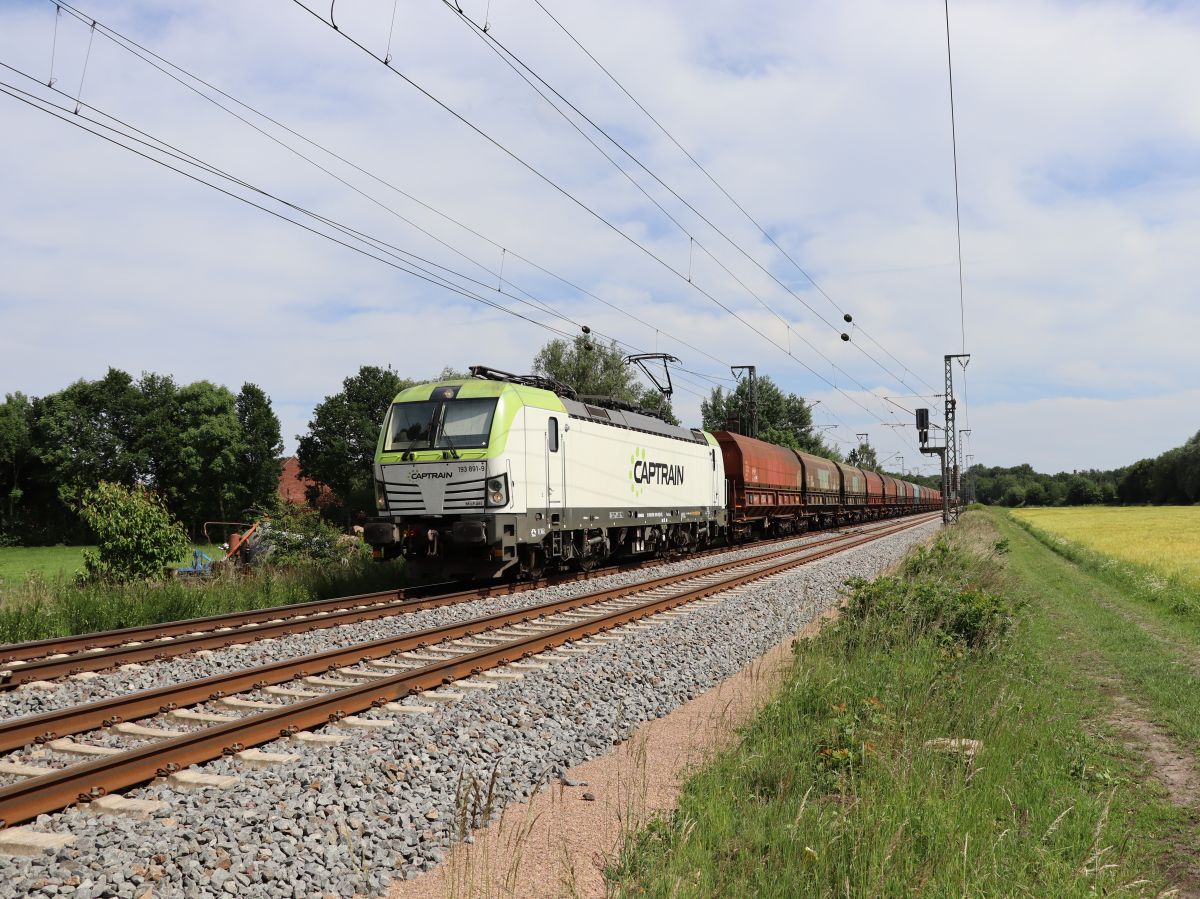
936,593
136,536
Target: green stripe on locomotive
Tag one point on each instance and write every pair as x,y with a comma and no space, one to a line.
510,399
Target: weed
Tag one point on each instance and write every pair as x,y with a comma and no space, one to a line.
932,742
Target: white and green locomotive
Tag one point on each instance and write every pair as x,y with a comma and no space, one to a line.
502,474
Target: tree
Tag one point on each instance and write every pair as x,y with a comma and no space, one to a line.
136,536
1014,495
1035,494
1164,478
1082,491
261,446
87,433
158,445
863,456
339,448
783,419
1134,485
592,369
15,449
1187,474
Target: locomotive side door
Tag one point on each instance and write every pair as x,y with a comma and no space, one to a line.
555,465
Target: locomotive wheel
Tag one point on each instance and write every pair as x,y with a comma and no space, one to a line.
535,567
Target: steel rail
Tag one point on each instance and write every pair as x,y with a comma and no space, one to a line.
88,780
401,598
184,636
424,593
41,728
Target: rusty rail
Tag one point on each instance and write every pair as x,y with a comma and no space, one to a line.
59,657
82,782
18,732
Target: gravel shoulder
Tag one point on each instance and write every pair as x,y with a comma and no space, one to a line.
559,842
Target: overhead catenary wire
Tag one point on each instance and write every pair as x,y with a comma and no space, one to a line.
575,200
169,69
692,242
65,115
54,45
962,313
151,143
86,58
387,55
957,209
711,178
348,233
518,66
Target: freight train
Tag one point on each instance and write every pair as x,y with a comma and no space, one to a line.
510,475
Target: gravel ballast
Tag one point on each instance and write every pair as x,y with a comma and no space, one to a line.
387,804
193,666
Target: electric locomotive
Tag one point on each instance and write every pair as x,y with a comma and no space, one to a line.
502,474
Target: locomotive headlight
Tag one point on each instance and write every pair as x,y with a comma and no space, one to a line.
380,496
497,491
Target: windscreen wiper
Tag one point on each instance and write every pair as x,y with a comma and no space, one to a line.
441,433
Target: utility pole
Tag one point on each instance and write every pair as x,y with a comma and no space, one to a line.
751,395
950,496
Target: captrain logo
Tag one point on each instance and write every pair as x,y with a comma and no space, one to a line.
643,472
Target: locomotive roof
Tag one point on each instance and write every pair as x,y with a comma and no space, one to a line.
625,418
548,399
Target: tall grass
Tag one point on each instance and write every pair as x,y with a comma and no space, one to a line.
51,607
931,742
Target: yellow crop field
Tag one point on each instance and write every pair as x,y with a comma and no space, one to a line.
1165,538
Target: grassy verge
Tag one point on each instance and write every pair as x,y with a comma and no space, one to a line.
1119,632
846,785
50,562
40,607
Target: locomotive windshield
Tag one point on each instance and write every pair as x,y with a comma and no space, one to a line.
440,424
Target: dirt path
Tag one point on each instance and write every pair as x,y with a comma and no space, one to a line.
559,842
1173,767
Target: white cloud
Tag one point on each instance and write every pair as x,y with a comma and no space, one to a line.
829,122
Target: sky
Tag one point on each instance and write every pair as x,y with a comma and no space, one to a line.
1079,176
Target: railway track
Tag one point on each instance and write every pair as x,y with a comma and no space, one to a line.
333,687
47,660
